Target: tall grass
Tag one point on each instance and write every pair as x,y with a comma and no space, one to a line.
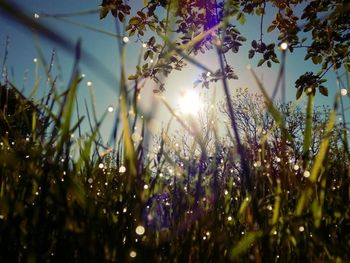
275,188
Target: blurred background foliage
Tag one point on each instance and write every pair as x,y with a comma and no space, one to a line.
274,188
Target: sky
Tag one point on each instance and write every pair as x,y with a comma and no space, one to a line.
22,51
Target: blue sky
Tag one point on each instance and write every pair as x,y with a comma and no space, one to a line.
22,52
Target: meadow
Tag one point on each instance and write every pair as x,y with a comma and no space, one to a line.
274,187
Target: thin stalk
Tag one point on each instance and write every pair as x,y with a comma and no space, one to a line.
240,149
308,129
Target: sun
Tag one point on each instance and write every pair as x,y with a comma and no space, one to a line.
189,102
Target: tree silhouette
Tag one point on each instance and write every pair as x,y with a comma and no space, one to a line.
321,27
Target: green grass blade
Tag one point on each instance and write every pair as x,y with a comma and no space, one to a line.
129,150
322,153
278,117
277,205
308,128
317,166
245,244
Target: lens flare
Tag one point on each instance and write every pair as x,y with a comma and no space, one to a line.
189,102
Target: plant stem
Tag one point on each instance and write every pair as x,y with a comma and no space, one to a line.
308,129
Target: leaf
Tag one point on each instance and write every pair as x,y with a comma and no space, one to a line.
316,59
269,64
347,67
271,28
274,59
261,61
307,56
251,53
299,93
323,90
152,41
254,44
259,11
114,12
147,54
132,32
225,49
132,77
121,17
241,18
134,20
104,12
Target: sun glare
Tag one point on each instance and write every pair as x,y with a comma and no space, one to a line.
189,102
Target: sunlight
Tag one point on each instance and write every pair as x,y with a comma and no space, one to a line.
189,102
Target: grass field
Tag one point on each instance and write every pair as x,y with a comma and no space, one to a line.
274,188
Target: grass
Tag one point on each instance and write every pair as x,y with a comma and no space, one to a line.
265,192
198,208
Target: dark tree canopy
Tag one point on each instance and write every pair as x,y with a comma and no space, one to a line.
321,27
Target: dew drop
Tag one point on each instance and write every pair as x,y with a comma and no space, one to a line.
140,230
257,164
284,46
136,137
110,108
343,92
133,254
122,169
306,174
